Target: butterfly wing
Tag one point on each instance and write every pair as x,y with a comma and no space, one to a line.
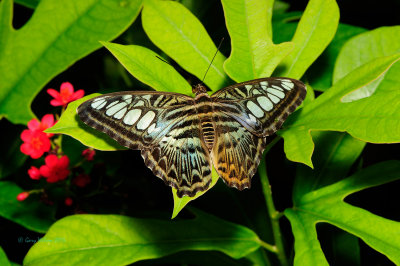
181,158
162,125
236,152
261,105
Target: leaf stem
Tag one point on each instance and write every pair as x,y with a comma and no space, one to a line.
274,215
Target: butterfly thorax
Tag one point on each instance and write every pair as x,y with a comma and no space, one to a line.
199,89
205,111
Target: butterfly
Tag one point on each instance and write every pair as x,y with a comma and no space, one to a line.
181,137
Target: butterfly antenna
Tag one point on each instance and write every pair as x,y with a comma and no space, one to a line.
219,46
165,61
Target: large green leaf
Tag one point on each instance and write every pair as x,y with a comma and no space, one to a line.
314,32
181,36
253,54
363,48
70,124
370,119
335,153
57,35
143,64
31,213
320,73
121,240
326,205
3,258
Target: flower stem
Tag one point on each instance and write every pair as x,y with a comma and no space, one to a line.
274,215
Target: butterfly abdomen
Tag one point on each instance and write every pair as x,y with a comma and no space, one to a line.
205,112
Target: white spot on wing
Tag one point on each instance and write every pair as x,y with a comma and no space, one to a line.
276,92
127,98
273,98
97,103
145,121
139,103
255,92
151,128
132,116
287,83
252,118
264,83
265,103
277,87
146,97
111,104
120,113
255,109
111,111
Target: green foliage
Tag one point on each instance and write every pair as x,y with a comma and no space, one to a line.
120,240
253,53
314,32
328,112
177,32
31,214
58,34
326,205
3,258
356,70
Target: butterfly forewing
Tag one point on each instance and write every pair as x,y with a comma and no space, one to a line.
261,105
164,126
135,119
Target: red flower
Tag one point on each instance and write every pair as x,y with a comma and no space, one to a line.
68,201
22,196
88,154
34,173
47,121
35,143
56,169
81,180
66,95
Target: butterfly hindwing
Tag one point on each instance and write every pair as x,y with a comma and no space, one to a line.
181,158
261,105
236,152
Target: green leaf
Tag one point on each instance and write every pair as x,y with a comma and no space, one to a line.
121,240
320,73
327,205
3,258
314,32
31,213
365,47
253,54
362,49
335,153
180,203
179,34
57,35
28,3
370,119
144,65
70,124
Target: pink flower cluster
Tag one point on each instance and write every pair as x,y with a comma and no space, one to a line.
36,143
